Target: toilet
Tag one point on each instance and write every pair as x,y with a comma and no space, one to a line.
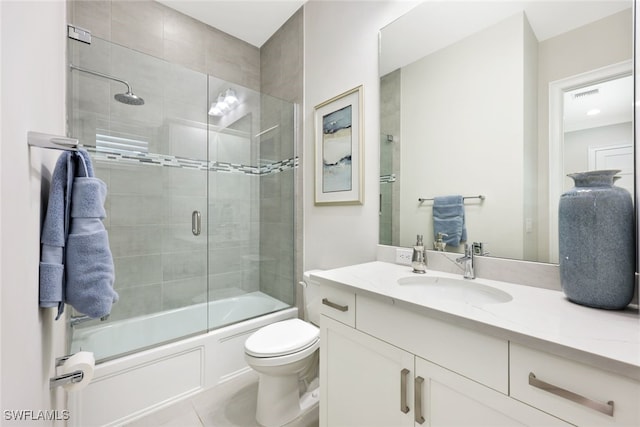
285,354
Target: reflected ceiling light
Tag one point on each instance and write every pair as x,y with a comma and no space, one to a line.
226,102
593,112
230,98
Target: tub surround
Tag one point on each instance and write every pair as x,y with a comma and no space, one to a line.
158,377
539,318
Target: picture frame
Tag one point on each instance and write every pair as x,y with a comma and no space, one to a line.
339,149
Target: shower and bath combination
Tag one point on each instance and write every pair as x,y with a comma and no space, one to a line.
128,98
187,302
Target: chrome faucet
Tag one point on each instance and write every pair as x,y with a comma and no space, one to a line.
467,259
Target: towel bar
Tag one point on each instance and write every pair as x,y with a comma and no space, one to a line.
481,197
76,320
43,140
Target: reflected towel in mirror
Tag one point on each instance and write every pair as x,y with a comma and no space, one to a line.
448,219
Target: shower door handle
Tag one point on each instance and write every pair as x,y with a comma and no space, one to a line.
196,223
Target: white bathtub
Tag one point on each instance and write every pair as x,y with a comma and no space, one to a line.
124,336
131,386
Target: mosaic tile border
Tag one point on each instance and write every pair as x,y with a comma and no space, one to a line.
186,163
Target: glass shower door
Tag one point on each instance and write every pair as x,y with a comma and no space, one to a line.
251,204
153,158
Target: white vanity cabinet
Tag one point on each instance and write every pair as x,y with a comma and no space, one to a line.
376,373
575,392
364,381
444,398
392,353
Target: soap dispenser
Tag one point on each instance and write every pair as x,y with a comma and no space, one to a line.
440,244
419,258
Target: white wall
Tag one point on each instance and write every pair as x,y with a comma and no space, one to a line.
636,134
340,53
1,91
463,115
567,55
33,38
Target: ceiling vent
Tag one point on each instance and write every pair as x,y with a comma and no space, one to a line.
586,93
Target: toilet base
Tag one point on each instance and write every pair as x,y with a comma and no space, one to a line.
279,400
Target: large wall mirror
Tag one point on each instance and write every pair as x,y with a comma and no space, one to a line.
501,99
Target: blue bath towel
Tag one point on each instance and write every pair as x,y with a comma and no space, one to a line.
54,234
448,218
83,272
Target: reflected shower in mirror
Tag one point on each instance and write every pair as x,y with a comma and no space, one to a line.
499,98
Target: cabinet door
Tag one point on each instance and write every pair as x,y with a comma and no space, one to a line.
363,380
444,398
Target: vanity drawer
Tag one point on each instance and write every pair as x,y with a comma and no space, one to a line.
574,392
338,304
477,356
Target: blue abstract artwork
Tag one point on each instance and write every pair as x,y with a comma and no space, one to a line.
337,151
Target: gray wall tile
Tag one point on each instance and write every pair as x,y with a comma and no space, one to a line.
137,302
135,240
94,15
159,263
137,271
184,292
184,41
138,25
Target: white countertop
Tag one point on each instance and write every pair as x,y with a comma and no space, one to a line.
540,318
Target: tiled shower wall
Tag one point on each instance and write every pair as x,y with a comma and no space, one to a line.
390,159
154,29
159,264
162,198
281,65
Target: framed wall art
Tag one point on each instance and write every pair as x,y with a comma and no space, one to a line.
339,149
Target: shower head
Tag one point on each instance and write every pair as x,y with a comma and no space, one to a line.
129,98
126,98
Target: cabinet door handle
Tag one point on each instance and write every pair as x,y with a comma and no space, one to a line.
605,408
404,408
338,307
417,400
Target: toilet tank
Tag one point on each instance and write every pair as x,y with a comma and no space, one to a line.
311,295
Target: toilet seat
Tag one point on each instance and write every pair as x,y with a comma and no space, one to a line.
282,338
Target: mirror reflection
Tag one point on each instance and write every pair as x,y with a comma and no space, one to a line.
501,99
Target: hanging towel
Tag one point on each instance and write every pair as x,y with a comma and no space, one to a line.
54,234
76,263
89,264
448,218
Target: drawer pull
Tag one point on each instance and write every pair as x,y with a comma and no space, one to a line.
605,408
419,418
338,307
404,408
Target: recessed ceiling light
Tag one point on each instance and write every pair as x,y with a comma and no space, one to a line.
593,112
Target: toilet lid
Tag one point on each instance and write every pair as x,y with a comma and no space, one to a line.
281,338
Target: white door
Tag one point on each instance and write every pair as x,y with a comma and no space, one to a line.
362,380
614,157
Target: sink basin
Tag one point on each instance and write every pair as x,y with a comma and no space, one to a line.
460,290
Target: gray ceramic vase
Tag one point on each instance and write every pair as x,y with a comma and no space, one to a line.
597,241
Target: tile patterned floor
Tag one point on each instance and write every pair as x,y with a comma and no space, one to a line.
232,404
